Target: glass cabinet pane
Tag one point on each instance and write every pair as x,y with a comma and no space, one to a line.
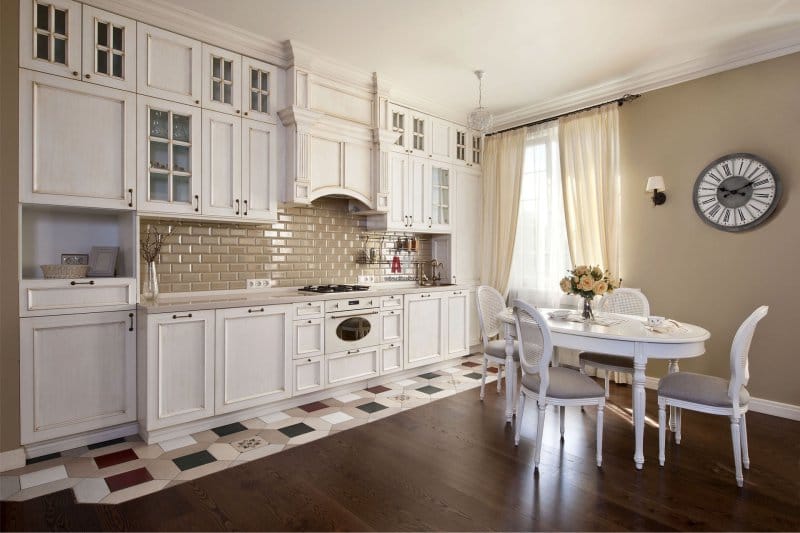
159,123
60,22
215,67
118,38
182,189
159,155
254,101
228,70
159,187
227,95
181,127
42,46
43,17
117,66
215,93
180,158
102,33
60,50
265,81
254,78
265,103
102,62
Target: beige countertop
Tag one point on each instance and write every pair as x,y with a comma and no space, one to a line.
244,298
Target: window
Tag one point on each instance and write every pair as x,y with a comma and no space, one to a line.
541,253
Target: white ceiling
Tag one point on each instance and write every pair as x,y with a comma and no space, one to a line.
540,56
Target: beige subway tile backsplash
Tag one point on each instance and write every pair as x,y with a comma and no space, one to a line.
308,245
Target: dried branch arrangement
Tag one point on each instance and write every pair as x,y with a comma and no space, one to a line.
151,242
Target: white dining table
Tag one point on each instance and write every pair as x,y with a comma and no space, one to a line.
628,335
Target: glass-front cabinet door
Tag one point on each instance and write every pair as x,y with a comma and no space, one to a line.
109,49
460,153
419,134
259,90
439,190
476,153
169,179
221,78
398,118
50,36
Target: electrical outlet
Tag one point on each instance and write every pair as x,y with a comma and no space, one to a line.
366,279
259,283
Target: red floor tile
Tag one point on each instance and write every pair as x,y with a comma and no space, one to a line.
111,459
128,479
377,389
313,406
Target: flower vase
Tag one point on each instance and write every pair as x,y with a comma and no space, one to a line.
587,309
150,286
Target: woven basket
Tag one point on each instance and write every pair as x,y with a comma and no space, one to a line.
65,271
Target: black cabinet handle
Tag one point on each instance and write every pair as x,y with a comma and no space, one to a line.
197,199
245,207
130,316
353,351
256,310
237,206
182,316
90,282
130,203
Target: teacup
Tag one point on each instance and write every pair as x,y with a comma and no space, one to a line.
655,320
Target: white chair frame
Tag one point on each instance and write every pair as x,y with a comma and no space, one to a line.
615,302
490,302
542,367
740,375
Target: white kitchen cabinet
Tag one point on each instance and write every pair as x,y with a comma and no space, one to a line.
95,168
109,49
222,78
178,378
253,356
169,65
457,324
391,358
437,197
259,90
309,310
309,375
259,171
50,37
407,178
426,328
467,147
352,365
308,338
399,118
77,373
442,134
169,157
392,326
466,247
474,324
65,296
413,130
222,159
393,301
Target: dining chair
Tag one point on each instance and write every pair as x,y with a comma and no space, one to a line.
558,386
714,395
625,302
490,302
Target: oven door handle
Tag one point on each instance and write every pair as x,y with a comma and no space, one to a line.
353,315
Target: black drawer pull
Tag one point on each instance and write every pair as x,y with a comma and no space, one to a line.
182,316
256,310
90,282
130,315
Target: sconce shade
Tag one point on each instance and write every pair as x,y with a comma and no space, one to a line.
655,183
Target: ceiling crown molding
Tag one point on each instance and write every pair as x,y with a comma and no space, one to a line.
787,43
164,14
304,57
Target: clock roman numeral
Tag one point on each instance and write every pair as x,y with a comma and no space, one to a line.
726,168
760,182
741,215
713,211
713,176
726,216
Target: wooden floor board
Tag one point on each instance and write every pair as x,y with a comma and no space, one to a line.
452,466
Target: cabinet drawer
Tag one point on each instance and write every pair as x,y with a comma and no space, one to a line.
391,326
308,310
353,365
308,338
391,358
309,375
392,302
60,296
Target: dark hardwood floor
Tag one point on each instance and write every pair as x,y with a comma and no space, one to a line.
452,466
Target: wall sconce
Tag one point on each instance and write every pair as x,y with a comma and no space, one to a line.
656,184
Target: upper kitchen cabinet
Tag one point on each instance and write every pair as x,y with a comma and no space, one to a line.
467,147
465,255
222,74
109,49
169,65
77,143
50,36
168,157
441,139
438,190
259,90
413,130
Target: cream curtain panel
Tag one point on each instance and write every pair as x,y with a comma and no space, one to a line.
502,178
589,143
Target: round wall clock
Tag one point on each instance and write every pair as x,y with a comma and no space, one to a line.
736,192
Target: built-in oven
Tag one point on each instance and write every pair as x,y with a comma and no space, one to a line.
351,324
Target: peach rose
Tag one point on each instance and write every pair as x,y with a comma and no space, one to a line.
597,272
600,287
566,285
581,270
586,283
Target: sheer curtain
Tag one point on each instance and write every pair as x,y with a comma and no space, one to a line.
541,253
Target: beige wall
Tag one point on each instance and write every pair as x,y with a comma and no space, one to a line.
9,324
691,271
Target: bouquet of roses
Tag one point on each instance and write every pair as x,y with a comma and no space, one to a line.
588,281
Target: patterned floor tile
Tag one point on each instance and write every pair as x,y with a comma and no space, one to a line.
103,450
429,375
115,458
41,477
473,375
451,370
308,437
180,452
377,389
258,453
205,436
371,407
274,436
194,460
228,429
223,451
275,417
492,369
174,444
313,406
248,444
296,429
389,411
317,423
128,479
286,422
429,389
41,458
337,418
91,490
239,435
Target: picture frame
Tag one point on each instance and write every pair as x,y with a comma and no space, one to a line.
103,261
74,259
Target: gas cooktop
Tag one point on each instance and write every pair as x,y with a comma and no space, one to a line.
334,288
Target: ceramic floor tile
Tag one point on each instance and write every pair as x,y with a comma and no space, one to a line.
313,406
91,490
429,375
174,444
8,485
355,412
175,482
389,411
274,417
258,453
317,423
470,364
103,450
371,407
255,423
162,469
285,422
347,398
40,477
46,488
429,389
180,452
229,429
407,382
273,436
194,460
308,437
205,436
296,429
203,470
450,370
377,389
115,458
355,422
128,479
239,435
136,491
473,375
75,452
223,452
337,417
443,394
246,445
148,452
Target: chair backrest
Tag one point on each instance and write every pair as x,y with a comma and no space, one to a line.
740,349
490,302
535,343
626,302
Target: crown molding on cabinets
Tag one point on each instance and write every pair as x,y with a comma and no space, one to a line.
712,63
164,14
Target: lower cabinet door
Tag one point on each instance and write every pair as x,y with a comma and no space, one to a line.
309,375
352,365
253,356
457,323
392,326
308,338
426,328
391,358
77,373
180,368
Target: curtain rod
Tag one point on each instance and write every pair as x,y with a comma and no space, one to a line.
619,101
